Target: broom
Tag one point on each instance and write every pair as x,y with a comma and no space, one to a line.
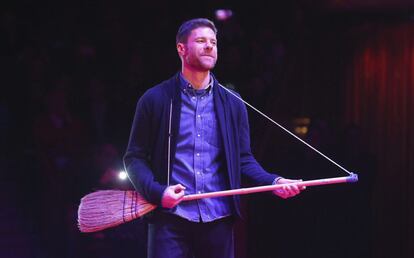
109,208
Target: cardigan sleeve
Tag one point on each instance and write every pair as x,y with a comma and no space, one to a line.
137,158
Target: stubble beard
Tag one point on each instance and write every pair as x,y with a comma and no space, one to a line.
200,65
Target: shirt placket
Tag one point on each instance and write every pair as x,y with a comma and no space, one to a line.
200,153
198,146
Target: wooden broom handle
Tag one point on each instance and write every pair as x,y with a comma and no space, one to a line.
327,181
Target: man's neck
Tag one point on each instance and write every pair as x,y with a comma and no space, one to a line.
199,80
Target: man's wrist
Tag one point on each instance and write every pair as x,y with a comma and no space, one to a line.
276,180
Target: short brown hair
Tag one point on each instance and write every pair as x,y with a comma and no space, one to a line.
185,29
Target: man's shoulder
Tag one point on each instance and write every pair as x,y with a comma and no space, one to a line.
228,87
230,92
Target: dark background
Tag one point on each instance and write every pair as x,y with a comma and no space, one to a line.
342,70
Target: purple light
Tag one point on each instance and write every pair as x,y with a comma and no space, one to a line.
223,14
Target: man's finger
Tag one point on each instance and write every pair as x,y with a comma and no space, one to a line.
179,188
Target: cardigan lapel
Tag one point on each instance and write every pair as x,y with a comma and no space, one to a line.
222,109
174,96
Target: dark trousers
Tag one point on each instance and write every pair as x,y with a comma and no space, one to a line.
170,236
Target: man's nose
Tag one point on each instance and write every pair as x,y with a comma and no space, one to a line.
209,45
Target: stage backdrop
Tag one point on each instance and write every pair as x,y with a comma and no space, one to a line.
380,100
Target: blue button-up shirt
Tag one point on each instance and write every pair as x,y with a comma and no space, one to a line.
199,164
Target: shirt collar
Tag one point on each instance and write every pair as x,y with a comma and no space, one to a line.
187,88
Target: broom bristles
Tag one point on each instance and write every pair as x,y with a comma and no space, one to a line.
108,208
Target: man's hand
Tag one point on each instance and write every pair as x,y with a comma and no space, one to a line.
172,196
288,191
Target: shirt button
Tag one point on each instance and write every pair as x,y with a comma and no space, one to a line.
198,135
198,154
199,191
198,116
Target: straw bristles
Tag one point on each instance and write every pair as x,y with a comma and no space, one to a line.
109,208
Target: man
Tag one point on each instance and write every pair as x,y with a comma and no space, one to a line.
190,135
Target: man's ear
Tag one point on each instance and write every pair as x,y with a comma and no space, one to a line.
181,49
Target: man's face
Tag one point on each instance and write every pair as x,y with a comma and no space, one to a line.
200,51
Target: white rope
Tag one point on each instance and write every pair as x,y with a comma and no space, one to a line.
169,145
286,130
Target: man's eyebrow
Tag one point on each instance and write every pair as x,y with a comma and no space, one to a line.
205,37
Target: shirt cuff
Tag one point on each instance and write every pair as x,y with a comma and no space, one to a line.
276,179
